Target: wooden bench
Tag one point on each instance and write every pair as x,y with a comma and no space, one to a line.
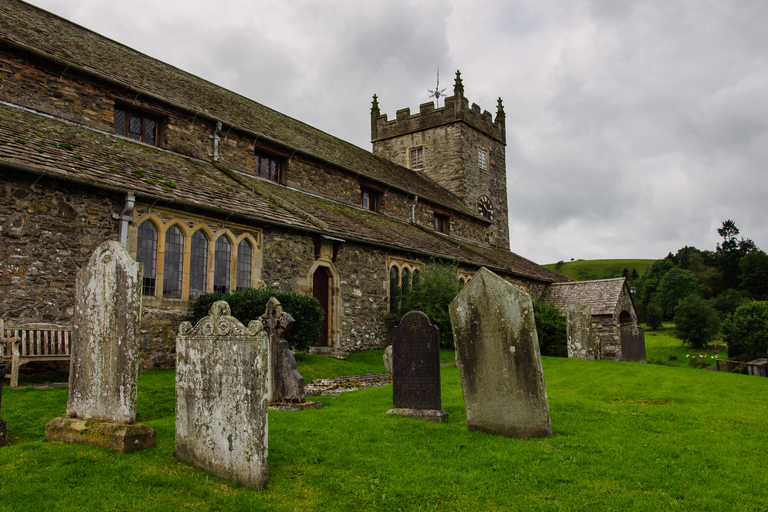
33,342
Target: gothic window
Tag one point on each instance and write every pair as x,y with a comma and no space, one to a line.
268,167
482,158
146,253
198,265
417,158
393,281
405,281
222,260
244,264
174,263
137,125
369,199
441,223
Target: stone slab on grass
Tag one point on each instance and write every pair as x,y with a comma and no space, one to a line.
118,437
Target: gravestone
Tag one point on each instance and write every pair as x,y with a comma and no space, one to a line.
632,343
388,360
4,368
416,368
221,396
101,405
581,342
285,383
497,352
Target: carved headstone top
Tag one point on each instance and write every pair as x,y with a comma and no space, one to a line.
105,337
416,363
219,322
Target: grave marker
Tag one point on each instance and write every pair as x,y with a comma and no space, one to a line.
416,368
222,398
581,342
101,405
497,352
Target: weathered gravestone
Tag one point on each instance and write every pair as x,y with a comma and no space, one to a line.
388,359
221,396
497,352
632,343
416,368
581,342
104,366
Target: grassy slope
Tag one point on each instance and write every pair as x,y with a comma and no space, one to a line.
627,437
586,270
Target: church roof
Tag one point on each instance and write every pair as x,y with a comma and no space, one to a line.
38,144
601,296
55,38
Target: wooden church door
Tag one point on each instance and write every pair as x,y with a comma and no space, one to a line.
320,289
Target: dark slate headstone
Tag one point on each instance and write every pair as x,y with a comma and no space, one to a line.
416,367
632,343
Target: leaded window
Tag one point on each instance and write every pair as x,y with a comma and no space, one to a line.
198,265
173,264
405,285
393,278
244,264
222,259
136,125
146,253
268,167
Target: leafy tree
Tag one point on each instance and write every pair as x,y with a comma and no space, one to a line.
746,331
551,330
676,284
695,321
653,315
436,288
248,304
727,302
754,274
730,253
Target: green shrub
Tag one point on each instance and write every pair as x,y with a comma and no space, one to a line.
746,331
696,322
653,316
551,330
431,294
699,362
249,304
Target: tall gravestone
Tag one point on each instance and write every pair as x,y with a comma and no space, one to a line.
497,352
416,368
581,342
285,383
101,406
221,396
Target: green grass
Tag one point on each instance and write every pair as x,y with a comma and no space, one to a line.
662,347
626,437
357,363
587,270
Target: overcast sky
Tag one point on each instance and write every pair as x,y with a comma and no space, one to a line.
634,128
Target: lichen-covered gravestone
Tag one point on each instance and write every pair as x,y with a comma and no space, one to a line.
104,366
285,383
581,342
221,396
497,352
416,368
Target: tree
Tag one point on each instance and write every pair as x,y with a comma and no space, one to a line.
746,331
754,274
695,321
551,330
674,287
727,302
436,288
653,316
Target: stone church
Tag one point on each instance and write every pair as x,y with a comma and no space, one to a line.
212,191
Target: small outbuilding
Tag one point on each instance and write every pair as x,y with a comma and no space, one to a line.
614,318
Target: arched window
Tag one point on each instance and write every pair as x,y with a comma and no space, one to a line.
393,288
198,265
174,261
222,259
244,264
416,278
146,253
406,282
461,281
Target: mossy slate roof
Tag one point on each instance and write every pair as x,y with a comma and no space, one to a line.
601,296
33,28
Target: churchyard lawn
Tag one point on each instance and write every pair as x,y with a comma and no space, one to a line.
627,436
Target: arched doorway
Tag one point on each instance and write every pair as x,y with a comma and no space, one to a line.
321,284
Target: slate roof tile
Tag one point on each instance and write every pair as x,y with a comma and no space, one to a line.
601,295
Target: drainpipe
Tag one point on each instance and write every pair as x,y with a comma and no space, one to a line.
125,217
413,208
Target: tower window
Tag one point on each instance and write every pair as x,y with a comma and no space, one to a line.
268,167
417,158
482,158
137,125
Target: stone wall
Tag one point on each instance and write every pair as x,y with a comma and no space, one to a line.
607,328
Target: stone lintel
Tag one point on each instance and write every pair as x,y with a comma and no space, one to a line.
118,437
436,415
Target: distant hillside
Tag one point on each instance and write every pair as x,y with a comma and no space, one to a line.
587,270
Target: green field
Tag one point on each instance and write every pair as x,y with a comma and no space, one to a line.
587,270
627,436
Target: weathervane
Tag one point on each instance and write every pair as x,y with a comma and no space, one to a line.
438,92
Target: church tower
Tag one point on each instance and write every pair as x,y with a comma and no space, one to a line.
457,146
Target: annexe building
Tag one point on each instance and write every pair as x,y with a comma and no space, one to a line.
213,192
